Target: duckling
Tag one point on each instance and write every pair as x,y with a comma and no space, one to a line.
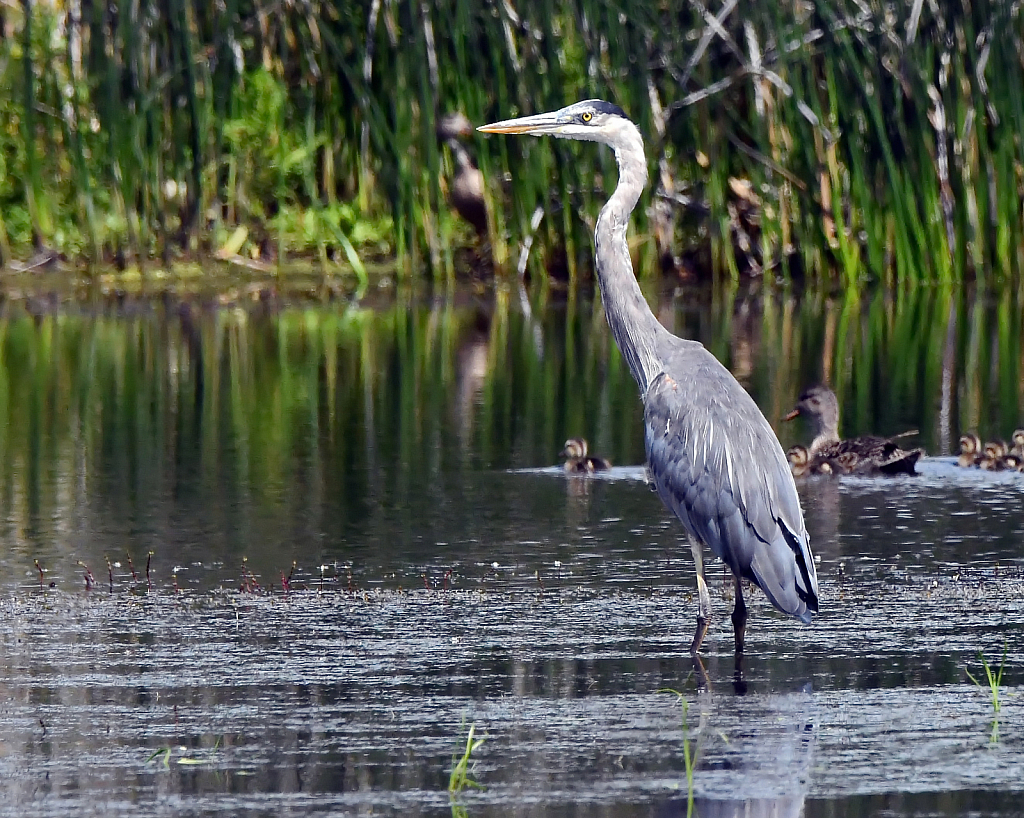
577,461
1013,462
799,460
992,455
858,455
970,450
1018,443
801,463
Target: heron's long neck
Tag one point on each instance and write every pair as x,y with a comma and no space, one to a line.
634,327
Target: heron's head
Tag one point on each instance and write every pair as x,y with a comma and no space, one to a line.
575,448
1018,439
819,405
593,119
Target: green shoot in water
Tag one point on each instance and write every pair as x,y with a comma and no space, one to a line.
994,679
461,774
689,757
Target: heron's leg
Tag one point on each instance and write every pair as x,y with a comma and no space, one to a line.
739,616
703,596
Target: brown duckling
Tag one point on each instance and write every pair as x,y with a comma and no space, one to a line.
970,450
801,463
577,461
857,455
1018,443
998,456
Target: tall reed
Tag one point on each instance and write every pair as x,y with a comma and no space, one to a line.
841,141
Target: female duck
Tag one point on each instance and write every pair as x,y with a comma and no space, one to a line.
857,455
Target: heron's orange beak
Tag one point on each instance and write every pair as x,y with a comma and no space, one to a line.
536,125
792,414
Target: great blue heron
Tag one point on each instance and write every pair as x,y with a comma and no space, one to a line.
578,461
711,454
856,455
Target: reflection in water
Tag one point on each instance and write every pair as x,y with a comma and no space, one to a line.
378,443
323,433
752,755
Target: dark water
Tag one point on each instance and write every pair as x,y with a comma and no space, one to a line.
396,461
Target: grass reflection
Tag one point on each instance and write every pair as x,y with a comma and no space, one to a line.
307,423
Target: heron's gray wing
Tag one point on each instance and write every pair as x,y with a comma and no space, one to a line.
717,464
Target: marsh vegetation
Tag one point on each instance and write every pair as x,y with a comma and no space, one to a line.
837,141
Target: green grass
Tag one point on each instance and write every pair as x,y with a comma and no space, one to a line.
993,683
689,755
461,776
875,146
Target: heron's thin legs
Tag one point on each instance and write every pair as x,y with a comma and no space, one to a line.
703,596
739,616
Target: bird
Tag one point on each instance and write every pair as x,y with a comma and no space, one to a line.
577,461
801,464
993,456
711,454
1018,442
856,455
466,192
970,450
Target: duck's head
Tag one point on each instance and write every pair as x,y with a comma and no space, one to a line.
575,448
970,443
798,456
821,408
996,449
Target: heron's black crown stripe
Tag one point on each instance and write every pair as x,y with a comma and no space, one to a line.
603,107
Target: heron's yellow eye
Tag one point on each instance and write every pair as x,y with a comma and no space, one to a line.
586,116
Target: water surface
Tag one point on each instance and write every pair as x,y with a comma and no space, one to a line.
359,544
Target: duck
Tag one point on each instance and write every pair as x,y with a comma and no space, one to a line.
467,185
970,450
868,455
993,455
577,461
1018,443
801,464
1013,462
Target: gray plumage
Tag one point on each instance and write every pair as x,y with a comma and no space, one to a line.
713,457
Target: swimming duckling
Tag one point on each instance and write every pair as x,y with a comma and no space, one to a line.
993,455
970,450
577,461
1013,462
857,455
799,460
801,463
1018,443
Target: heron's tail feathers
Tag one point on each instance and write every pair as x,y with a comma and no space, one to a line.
786,574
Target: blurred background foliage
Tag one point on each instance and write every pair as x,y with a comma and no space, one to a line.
837,140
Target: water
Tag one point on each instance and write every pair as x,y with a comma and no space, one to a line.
397,463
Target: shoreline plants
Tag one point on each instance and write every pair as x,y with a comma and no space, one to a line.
839,141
